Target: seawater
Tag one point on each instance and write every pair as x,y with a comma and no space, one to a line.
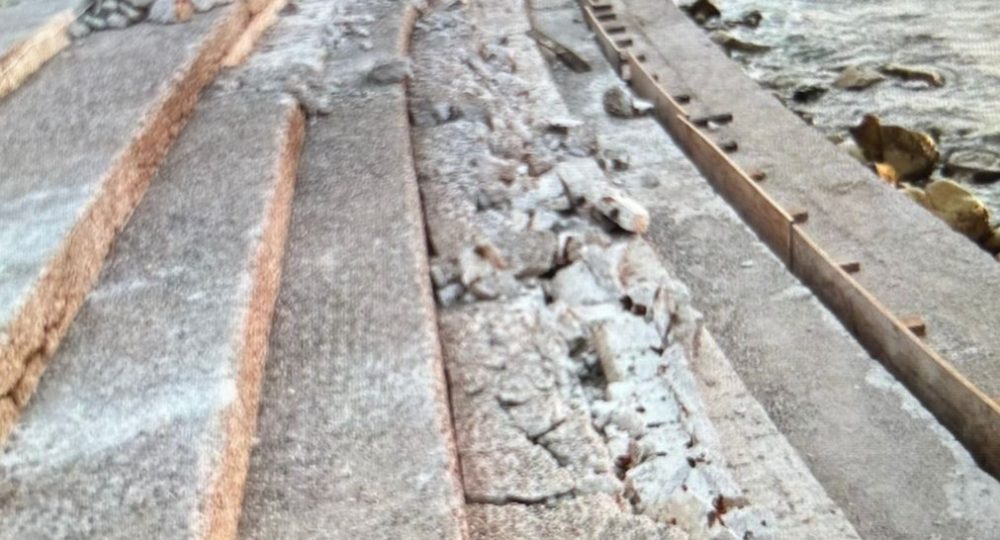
813,40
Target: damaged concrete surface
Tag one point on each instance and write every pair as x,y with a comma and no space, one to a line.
567,344
834,403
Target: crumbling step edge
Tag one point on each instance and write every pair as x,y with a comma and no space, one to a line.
971,415
34,332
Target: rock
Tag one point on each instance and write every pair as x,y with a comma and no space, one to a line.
857,78
910,73
170,11
905,155
992,242
79,29
751,18
732,43
133,14
808,93
977,166
960,209
139,4
390,71
703,10
620,102
117,21
94,22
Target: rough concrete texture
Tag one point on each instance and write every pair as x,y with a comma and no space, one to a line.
21,20
566,342
589,517
891,468
912,262
142,427
30,35
80,142
355,435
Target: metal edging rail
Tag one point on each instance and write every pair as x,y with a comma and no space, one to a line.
971,415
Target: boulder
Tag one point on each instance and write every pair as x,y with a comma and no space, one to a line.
960,209
898,153
911,73
808,93
857,78
751,19
732,43
977,166
703,10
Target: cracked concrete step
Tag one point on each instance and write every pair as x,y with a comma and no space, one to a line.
31,33
355,434
864,438
142,426
80,142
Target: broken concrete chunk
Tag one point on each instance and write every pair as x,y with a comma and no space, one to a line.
620,102
623,211
586,184
576,285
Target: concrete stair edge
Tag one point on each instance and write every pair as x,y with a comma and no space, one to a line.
34,333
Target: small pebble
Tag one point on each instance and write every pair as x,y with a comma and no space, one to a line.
117,20
94,22
78,30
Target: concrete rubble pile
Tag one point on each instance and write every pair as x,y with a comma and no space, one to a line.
567,343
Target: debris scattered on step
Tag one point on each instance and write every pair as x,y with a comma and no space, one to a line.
621,103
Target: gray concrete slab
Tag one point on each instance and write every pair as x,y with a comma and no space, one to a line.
22,19
355,436
142,426
78,144
912,262
878,454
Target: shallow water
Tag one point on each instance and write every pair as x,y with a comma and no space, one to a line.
813,40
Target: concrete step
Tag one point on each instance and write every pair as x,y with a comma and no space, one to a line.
912,263
862,436
80,143
31,33
355,436
142,426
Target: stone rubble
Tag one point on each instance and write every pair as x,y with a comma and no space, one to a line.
567,343
97,15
